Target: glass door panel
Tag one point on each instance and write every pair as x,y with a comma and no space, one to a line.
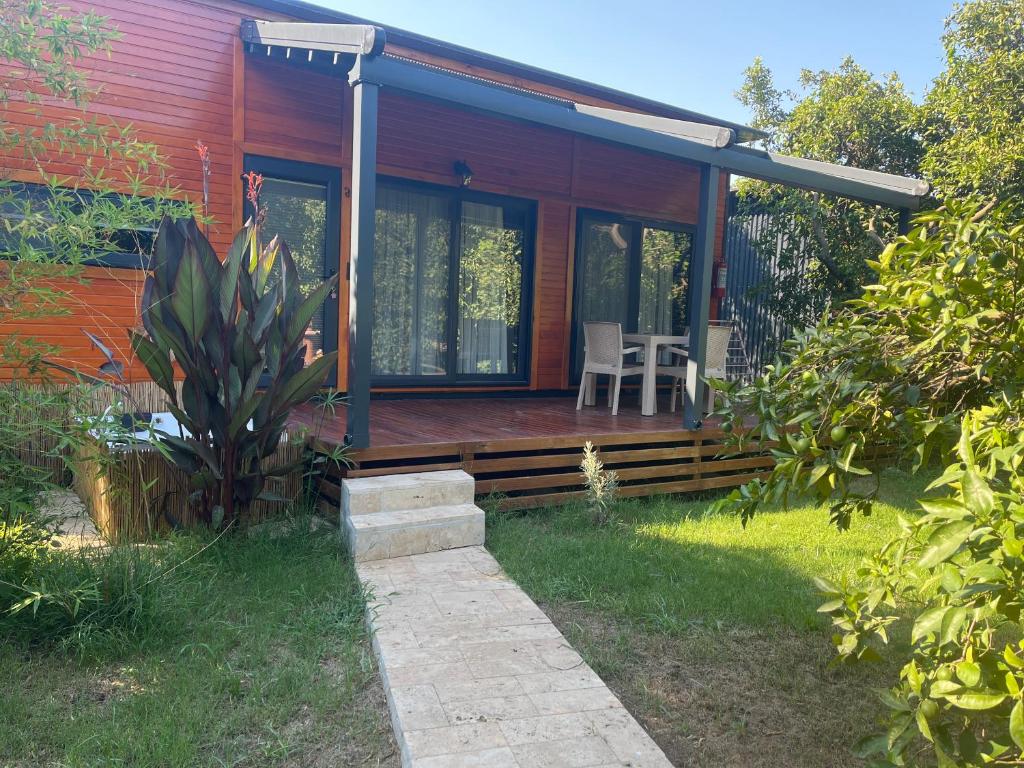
301,205
410,275
490,289
664,282
296,212
604,263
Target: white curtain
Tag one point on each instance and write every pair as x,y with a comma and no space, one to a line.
490,288
410,274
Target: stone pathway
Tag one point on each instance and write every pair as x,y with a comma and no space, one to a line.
478,677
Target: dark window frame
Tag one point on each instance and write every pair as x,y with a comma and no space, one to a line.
330,177
456,196
583,215
109,259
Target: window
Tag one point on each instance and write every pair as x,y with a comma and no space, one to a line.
451,271
302,205
631,272
131,247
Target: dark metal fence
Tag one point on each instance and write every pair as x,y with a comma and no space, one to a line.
751,263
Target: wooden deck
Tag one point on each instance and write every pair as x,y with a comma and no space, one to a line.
527,450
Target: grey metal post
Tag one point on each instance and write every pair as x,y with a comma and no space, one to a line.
700,296
903,223
360,289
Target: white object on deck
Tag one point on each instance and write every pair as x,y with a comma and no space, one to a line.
651,342
603,354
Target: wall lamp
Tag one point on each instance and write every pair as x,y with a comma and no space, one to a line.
463,171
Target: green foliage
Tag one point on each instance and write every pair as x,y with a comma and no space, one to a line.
257,655
926,364
80,597
971,117
227,326
964,138
601,486
49,229
822,243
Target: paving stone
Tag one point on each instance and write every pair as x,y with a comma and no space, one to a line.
399,658
480,678
394,638
471,737
561,680
428,673
416,706
501,757
532,730
536,631
568,753
517,600
582,700
628,740
467,690
470,603
489,710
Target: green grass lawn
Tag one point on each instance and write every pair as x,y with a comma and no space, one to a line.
260,658
707,630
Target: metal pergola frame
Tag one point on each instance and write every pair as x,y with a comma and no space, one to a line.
710,147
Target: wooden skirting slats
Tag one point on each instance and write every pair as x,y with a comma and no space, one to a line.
533,472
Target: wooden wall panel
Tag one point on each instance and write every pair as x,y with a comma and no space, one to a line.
550,333
105,303
624,180
179,75
291,109
423,138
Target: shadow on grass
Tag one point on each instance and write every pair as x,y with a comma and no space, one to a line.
706,630
669,564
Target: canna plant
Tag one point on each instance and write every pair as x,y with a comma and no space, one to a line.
235,328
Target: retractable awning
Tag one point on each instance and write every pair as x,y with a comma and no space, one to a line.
358,50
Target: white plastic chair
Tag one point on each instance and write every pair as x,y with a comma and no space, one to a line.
604,354
715,362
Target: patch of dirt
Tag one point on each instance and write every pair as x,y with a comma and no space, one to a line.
741,698
106,686
371,746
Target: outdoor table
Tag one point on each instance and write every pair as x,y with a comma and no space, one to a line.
650,343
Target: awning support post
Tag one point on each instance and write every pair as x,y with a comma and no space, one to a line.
361,257
700,297
903,222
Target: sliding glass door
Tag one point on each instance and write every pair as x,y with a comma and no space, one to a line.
451,273
631,272
410,277
301,204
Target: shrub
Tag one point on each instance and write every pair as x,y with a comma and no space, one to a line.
927,363
231,327
601,484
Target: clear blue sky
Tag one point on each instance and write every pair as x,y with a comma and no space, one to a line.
687,53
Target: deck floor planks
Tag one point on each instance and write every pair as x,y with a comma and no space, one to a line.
415,421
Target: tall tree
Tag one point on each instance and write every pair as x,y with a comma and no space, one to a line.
972,115
823,244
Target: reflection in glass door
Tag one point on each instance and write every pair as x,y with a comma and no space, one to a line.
604,268
301,206
490,289
630,272
410,283
451,274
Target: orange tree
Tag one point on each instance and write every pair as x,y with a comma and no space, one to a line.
928,361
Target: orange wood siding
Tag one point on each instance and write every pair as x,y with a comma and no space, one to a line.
106,303
288,110
179,75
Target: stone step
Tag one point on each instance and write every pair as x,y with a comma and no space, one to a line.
405,532
416,490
